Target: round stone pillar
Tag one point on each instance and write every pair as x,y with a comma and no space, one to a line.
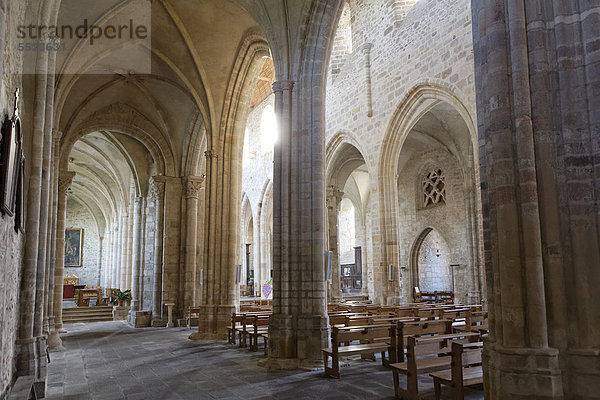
64,182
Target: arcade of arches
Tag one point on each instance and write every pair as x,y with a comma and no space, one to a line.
306,152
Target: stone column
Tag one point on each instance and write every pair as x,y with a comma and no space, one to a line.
220,246
136,256
124,240
51,247
366,49
334,198
28,345
192,186
157,188
299,324
537,74
64,182
126,273
100,261
116,253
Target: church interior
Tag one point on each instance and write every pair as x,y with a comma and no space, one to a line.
303,199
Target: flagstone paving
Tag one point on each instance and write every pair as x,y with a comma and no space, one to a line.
111,360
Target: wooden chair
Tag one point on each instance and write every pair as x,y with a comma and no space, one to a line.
466,370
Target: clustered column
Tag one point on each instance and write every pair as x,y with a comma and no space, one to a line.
299,325
64,182
537,74
157,189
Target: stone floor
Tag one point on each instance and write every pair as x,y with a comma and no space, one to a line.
110,360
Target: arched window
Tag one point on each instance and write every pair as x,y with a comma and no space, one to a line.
434,188
268,129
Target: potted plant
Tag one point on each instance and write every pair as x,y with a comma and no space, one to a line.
121,297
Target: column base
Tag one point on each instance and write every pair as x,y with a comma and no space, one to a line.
158,323
521,373
26,357
290,364
582,373
297,344
139,319
55,342
213,321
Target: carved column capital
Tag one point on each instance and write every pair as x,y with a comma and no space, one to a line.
334,196
65,180
334,193
56,135
280,86
192,185
210,154
366,48
157,187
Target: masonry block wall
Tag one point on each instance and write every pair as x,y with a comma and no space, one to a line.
12,243
447,219
413,43
78,217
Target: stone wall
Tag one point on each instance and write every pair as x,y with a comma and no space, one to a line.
408,44
449,221
11,249
434,264
79,217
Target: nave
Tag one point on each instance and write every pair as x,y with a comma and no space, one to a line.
112,360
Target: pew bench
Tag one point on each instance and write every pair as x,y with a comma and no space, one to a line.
236,322
192,314
246,327
427,328
372,338
260,326
466,370
425,355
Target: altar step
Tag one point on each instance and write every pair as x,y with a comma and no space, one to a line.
87,314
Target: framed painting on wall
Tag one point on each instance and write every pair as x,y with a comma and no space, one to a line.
73,246
10,160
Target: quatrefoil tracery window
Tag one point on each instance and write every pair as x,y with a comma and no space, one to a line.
434,188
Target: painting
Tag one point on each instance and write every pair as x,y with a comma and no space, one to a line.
73,246
10,160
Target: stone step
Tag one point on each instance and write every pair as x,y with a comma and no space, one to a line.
87,310
87,314
87,319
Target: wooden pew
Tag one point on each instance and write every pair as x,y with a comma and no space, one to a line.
444,297
418,329
477,321
236,322
425,355
260,326
193,313
373,338
246,326
466,370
